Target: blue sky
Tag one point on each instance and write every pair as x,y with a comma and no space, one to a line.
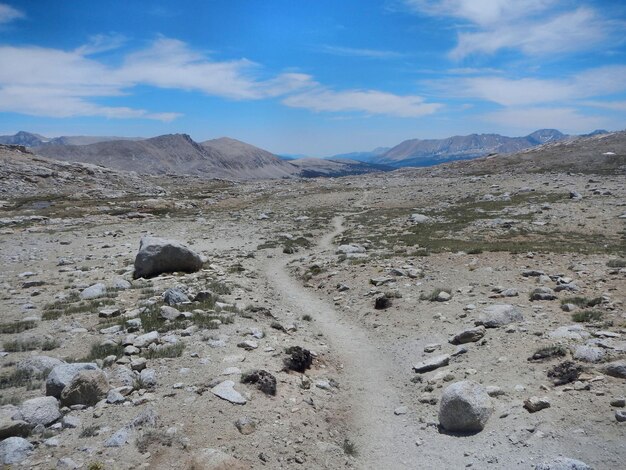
313,77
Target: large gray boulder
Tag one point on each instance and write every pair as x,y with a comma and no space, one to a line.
562,463
465,407
14,450
158,255
616,369
40,410
38,364
498,315
87,387
63,374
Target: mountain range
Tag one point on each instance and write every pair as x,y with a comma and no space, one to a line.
228,158
428,152
179,154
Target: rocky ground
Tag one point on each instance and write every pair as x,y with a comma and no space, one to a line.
323,327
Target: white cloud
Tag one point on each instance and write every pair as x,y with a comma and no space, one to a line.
169,63
525,120
601,81
74,80
535,27
481,12
358,52
581,29
52,82
101,43
367,101
8,13
611,105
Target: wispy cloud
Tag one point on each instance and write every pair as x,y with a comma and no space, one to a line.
8,13
523,120
611,105
365,101
600,81
101,43
534,27
74,81
359,52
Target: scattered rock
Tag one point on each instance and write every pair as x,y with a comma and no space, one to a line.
245,425
38,364
589,353
464,407
382,302
542,293
432,363
174,296
40,410
616,369
159,255
94,292
499,315
14,449
534,404
226,391
214,459
87,388
468,336
562,463
63,374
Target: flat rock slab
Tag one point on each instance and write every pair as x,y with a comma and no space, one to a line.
226,391
468,336
562,463
432,363
498,315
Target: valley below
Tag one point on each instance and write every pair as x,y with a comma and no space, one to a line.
325,324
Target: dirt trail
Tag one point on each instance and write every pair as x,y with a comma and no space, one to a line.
383,440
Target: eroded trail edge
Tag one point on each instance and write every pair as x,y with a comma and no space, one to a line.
368,376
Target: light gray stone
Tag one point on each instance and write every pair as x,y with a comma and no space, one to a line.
38,364
432,363
174,296
146,339
464,407
468,336
562,463
63,374
499,315
94,292
226,391
14,449
589,353
40,410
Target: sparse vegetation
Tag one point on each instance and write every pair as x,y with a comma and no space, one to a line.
616,263
30,344
166,351
349,448
307,317
548,352
89,431
21,378
582,302
100,351
564,373
154,437
16,327
587,316
432,297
